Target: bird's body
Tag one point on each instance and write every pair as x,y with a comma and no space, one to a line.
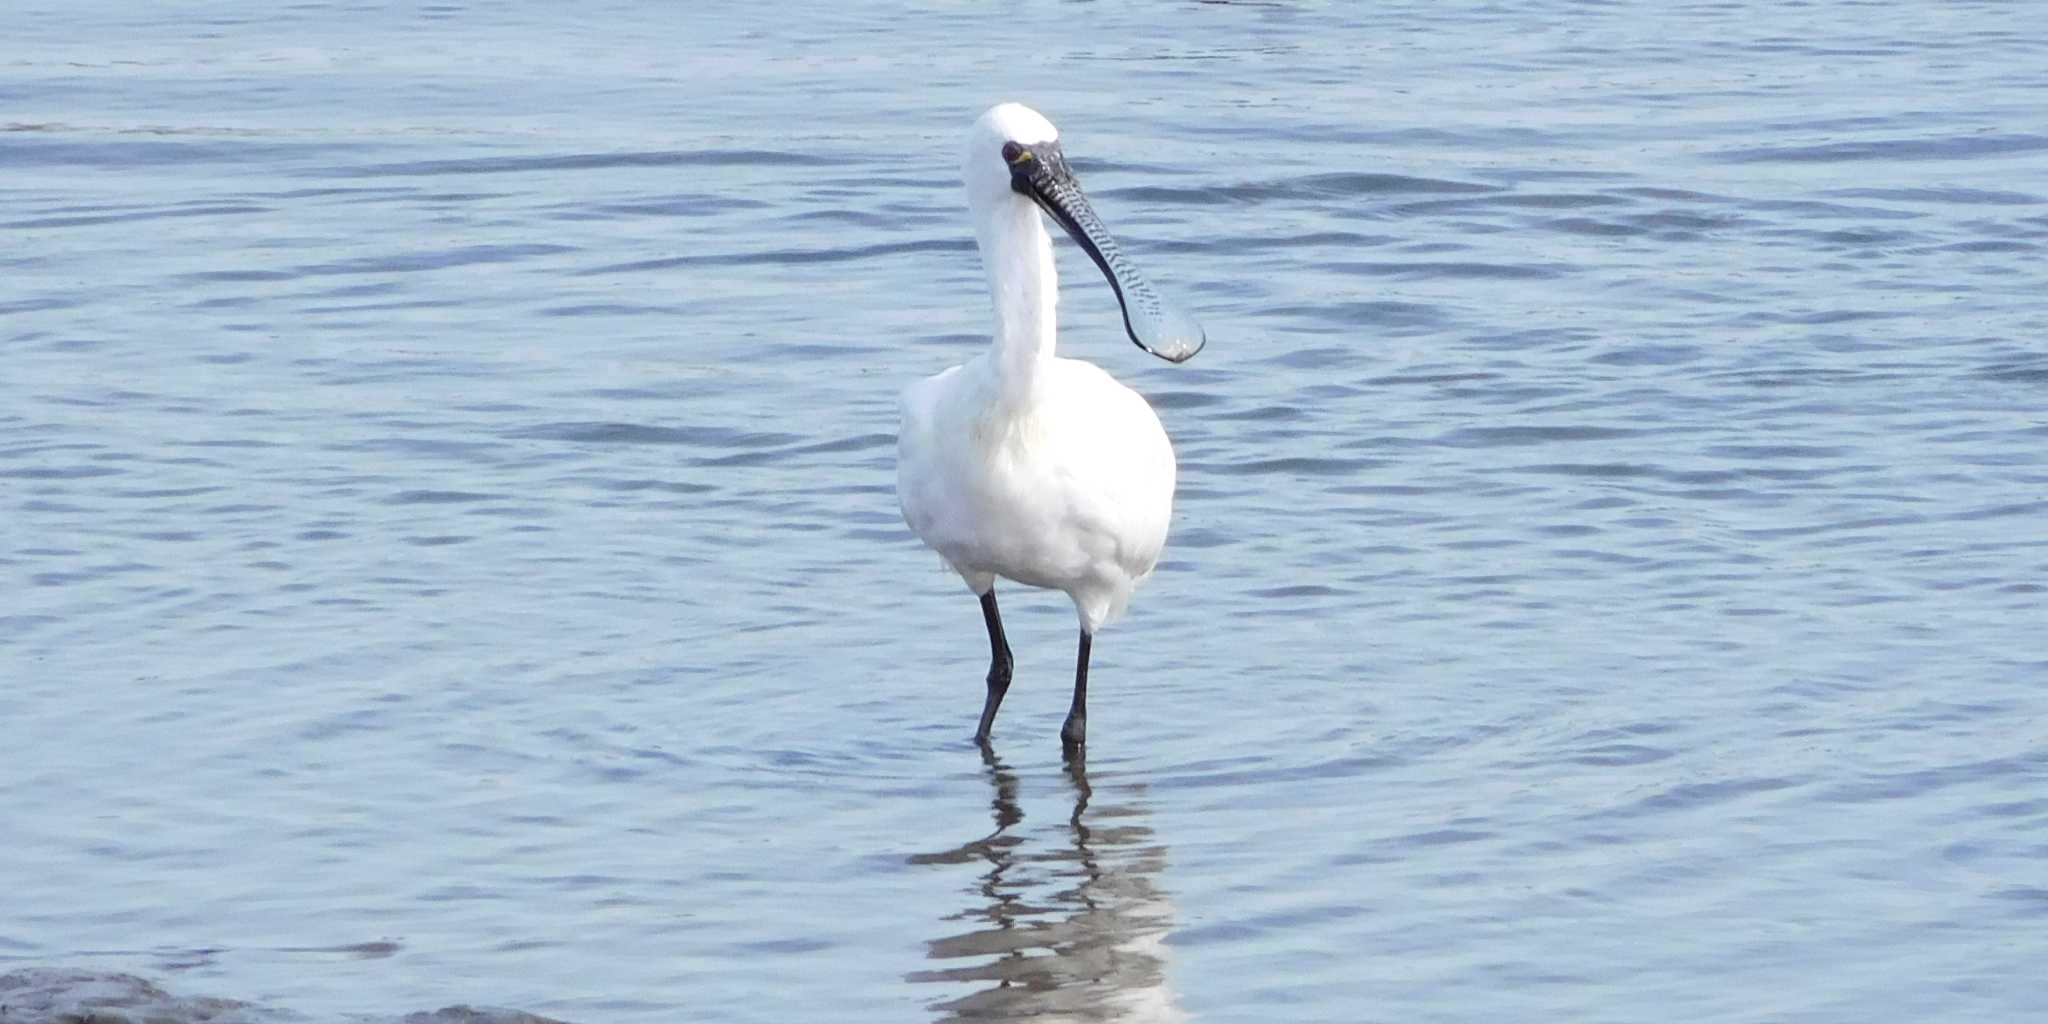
1022,465
1070,489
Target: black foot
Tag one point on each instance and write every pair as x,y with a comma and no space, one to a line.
998,684
1074,734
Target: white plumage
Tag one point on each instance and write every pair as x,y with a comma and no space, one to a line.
1020,464
1066,483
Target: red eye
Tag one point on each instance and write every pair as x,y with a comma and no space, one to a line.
1011,151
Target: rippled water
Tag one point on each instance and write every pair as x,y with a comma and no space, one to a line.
446,508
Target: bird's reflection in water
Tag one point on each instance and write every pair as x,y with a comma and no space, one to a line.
1065,923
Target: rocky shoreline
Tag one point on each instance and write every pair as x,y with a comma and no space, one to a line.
55,995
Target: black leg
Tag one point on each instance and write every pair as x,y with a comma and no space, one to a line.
998,664
1074,734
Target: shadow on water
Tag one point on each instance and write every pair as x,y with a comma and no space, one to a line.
1066,922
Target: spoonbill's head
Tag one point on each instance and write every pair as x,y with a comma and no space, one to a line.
1013,157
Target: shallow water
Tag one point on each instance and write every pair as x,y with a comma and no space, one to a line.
446,502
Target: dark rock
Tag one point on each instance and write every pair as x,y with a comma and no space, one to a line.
58,996
52,995
473,1015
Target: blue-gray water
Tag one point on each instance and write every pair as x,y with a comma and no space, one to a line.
450,553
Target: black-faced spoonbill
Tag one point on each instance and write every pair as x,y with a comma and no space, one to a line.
1019,464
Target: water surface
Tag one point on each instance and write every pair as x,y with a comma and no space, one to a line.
446,508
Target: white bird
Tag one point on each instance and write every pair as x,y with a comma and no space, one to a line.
1020,464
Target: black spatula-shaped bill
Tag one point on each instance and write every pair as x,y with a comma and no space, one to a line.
1154,323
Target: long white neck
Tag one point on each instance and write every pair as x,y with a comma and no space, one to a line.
1017,254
